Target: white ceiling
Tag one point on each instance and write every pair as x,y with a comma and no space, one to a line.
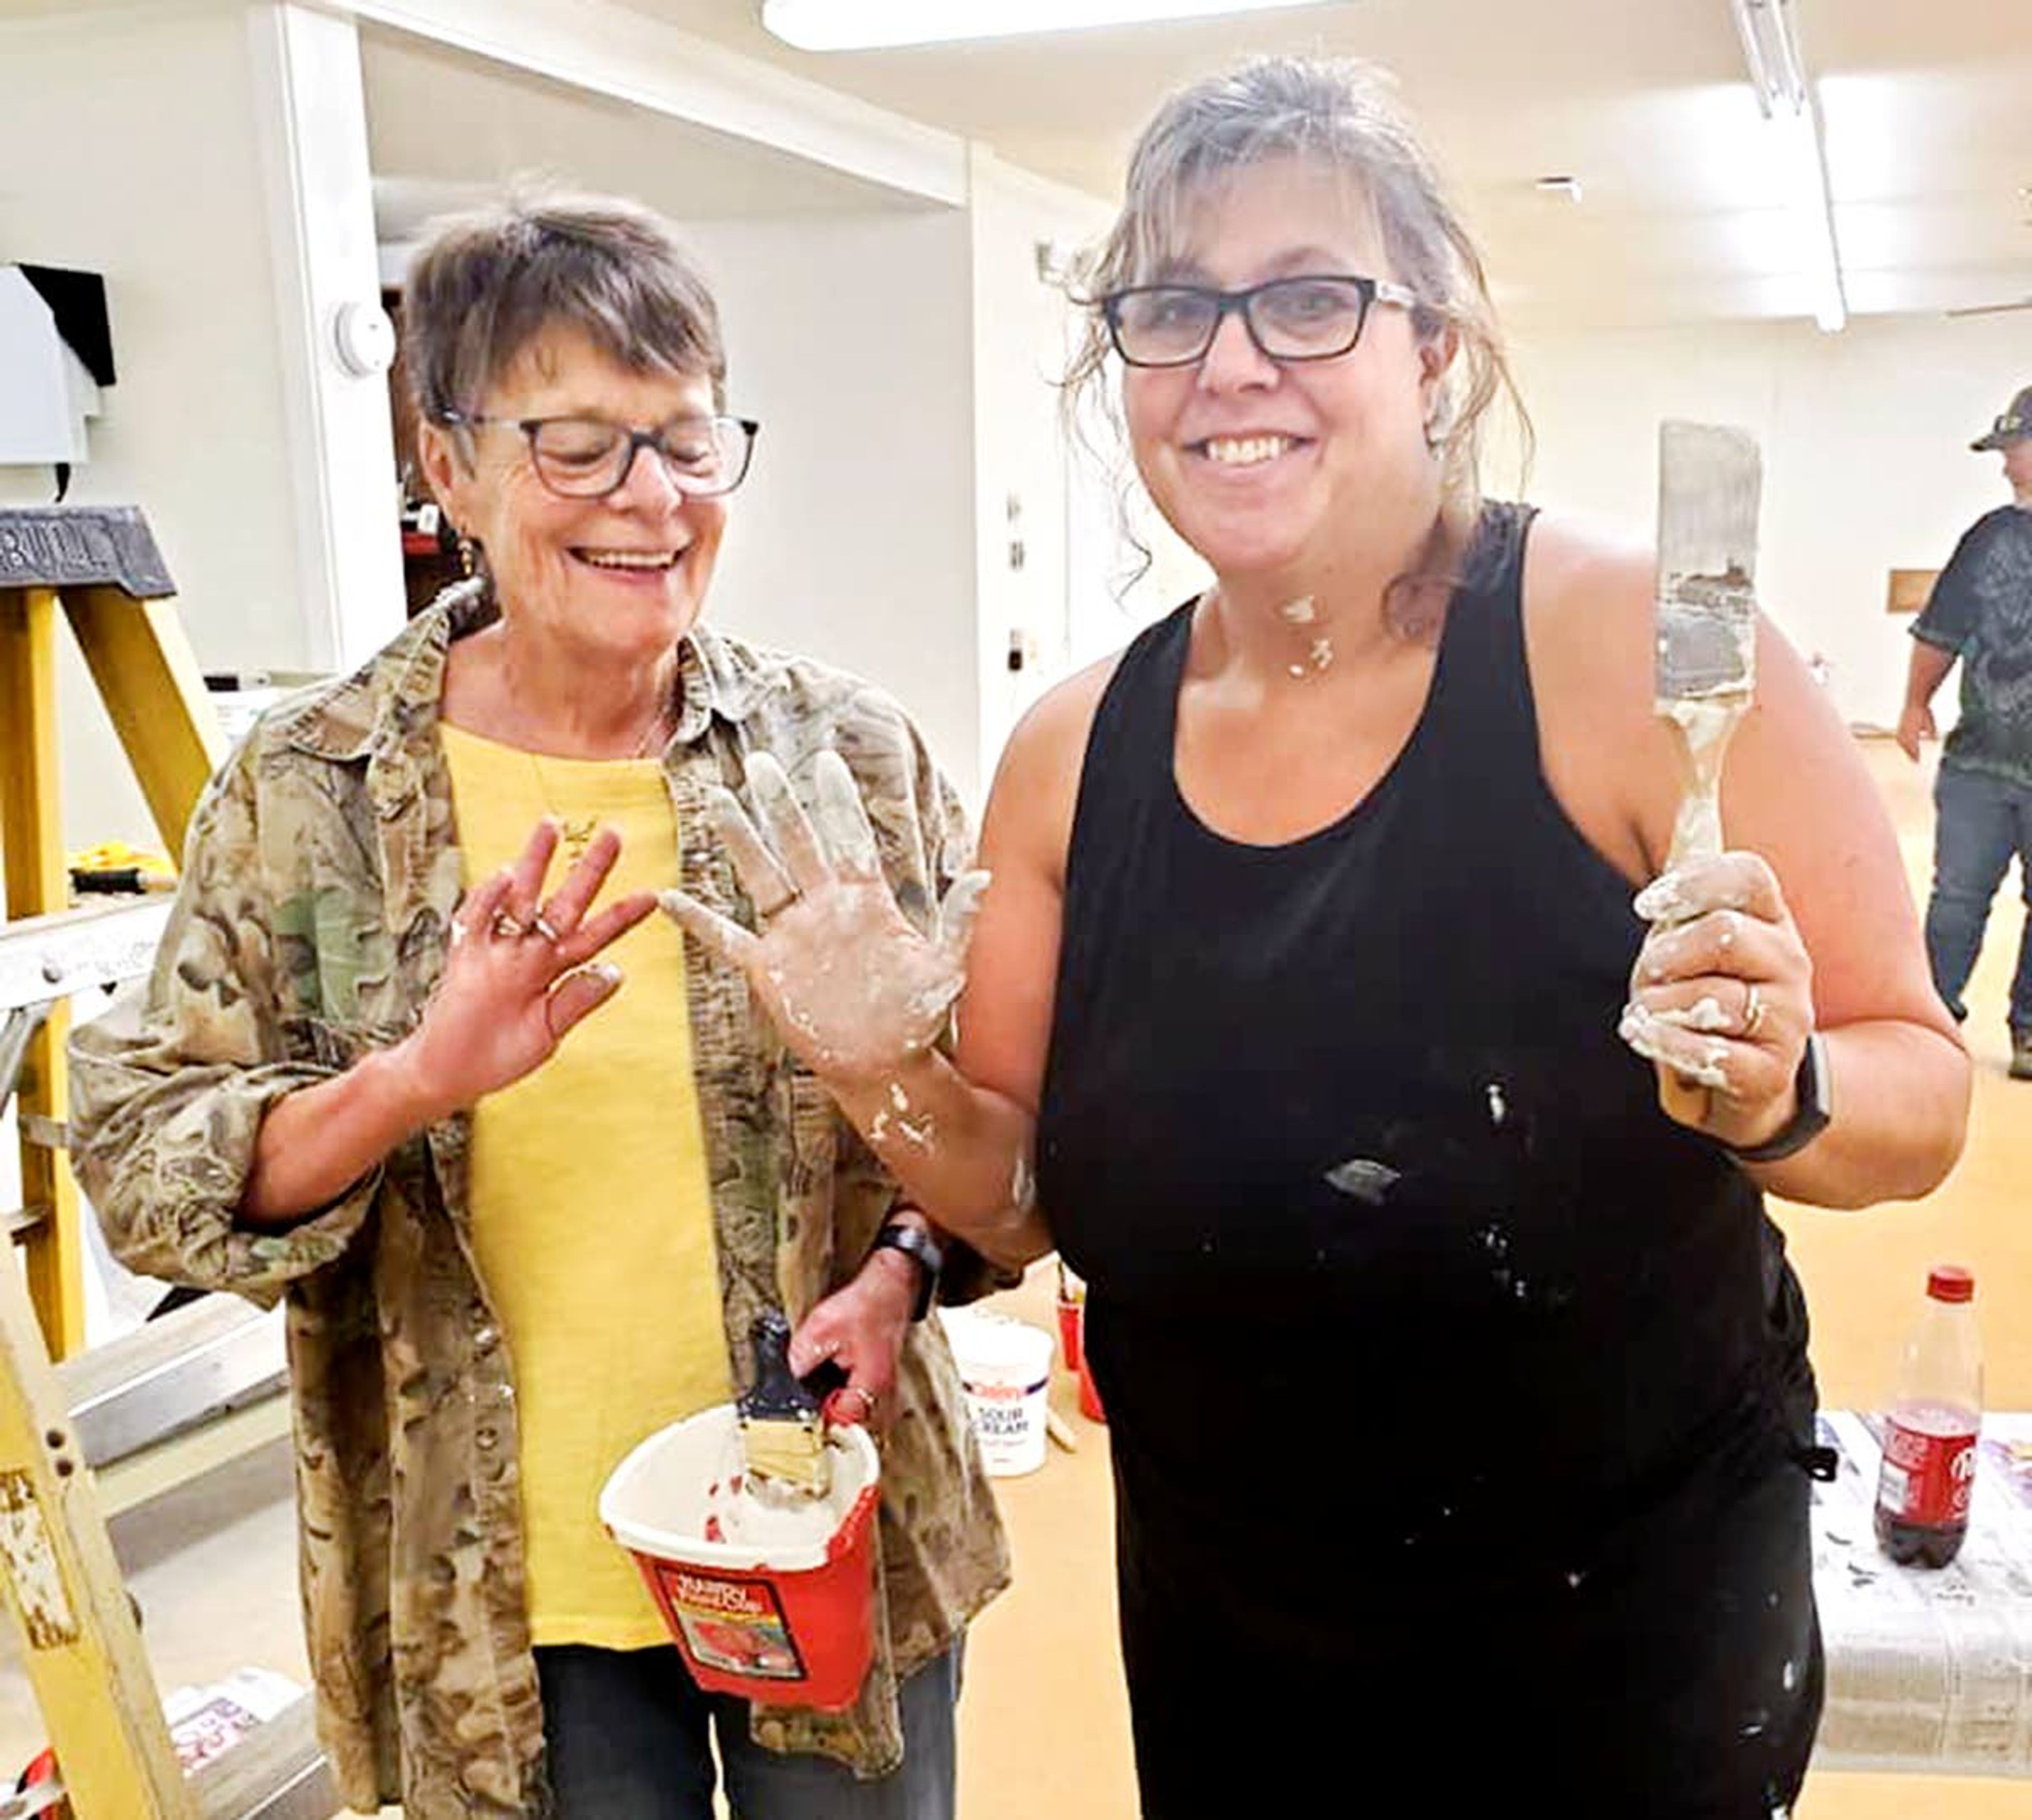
447,130
1928,104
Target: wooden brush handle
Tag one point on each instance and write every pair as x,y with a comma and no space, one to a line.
1697,835
1683,1099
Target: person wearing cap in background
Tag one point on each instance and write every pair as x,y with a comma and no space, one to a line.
1980,612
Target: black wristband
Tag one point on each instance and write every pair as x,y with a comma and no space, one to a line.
923,1249
1810,1116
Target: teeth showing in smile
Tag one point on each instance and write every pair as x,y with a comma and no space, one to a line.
1245,451
630,558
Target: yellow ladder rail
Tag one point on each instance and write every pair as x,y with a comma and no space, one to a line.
99,567
64,1590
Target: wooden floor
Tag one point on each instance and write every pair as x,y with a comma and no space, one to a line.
1044,1723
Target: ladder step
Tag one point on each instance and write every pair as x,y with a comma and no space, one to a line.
46,957
190,1367
277,1772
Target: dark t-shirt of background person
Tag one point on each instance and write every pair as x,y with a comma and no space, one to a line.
1981,610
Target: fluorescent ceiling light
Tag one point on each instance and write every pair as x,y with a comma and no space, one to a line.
1769,30
871,24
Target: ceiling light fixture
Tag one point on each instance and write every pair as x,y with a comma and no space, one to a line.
1770,35
876,24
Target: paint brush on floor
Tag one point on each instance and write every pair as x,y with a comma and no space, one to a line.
782,1427
1710,478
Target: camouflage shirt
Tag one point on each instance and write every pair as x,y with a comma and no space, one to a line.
310,925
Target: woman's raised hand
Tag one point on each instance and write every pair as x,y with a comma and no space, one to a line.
854,989
518,977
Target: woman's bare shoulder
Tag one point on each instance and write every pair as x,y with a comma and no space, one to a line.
1588,619
1589,586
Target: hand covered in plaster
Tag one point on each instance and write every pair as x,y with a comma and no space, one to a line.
853,988
860,1328
516,979
1722,995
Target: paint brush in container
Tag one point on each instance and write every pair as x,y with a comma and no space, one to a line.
1709,480
782,1419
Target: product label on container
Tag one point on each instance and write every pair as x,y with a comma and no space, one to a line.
733,1625
1929,1461
1007,1417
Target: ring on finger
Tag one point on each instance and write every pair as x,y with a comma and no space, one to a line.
506,927
1753,1008
791,894
867,1401
541,925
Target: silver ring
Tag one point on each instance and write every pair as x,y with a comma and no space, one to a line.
1753,1008
505,925
539,924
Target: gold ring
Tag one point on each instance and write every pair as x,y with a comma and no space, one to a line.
539,924
867,1401
1753,1008
790,896
505,925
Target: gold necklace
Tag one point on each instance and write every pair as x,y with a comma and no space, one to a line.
575,832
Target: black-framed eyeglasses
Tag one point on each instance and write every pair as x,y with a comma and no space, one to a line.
1313,316
588,457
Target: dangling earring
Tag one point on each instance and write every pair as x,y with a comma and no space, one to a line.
468,556
1436,427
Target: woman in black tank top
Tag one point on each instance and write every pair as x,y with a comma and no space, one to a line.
1457,1393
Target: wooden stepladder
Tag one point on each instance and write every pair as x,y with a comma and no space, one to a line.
99,568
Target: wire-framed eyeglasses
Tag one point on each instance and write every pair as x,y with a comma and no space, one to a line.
588,457
1314,316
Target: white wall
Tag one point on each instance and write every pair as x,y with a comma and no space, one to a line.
1865,436
129,139
325,272
1022,322
852,540
1099,564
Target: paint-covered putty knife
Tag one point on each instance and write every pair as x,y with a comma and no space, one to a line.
1709,480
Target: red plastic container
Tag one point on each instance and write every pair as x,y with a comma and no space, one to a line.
1090,1397
1071,1317
790,1625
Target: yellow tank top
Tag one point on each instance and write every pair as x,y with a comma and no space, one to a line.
592,1208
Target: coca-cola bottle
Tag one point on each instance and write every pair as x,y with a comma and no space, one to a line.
1929,1436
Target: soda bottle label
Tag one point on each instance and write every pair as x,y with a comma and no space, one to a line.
1927,1474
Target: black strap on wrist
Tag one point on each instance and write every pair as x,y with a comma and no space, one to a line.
1811,1114
919,1245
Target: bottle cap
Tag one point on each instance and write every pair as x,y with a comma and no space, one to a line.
1951,1283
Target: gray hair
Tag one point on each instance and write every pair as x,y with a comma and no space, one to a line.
1344,116
486,284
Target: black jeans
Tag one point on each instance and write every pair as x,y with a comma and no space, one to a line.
630,1737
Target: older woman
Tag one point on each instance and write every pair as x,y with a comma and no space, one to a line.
509,1256
1457,1389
